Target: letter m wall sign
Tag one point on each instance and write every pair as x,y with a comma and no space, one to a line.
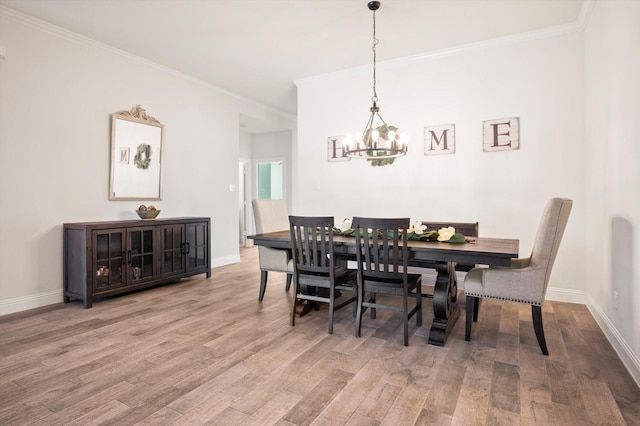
439,140
501,135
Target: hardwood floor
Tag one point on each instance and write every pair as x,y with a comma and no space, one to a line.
206,352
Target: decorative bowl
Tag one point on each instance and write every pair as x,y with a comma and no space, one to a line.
148,214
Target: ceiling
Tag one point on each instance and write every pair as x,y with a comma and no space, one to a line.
258,48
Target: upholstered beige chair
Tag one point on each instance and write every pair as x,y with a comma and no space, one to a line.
271,216
527,279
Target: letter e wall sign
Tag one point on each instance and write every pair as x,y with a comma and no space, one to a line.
501,134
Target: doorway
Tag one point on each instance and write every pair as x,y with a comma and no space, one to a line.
270,183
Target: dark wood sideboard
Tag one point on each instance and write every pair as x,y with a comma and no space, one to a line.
107,258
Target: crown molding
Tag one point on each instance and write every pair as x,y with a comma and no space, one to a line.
65,34
585,13
544,33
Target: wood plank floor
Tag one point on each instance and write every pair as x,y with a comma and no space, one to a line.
206,352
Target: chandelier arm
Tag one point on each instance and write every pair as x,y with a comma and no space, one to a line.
381,119
368,126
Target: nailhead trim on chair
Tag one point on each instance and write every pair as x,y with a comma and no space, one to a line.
503,298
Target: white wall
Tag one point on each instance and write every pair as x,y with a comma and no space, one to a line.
576,94
57,91
612,63
539,80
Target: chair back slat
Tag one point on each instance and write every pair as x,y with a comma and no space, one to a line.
312,242
381,246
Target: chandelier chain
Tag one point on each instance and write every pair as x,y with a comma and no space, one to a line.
375,42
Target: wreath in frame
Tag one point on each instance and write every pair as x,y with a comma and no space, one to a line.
142,158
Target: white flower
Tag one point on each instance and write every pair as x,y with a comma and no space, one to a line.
346,225
444,234
417,227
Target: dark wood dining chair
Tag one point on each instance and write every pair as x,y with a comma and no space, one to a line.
318,278
527,279
382,259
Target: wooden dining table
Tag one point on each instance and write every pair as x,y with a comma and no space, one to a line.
440,256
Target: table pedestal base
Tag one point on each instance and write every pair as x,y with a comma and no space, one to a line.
445,306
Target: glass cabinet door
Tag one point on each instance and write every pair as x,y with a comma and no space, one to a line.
140,254
173,249
109,261
197,245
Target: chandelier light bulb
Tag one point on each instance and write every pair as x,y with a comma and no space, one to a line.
404,138
391,135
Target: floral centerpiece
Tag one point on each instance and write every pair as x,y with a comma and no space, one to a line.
417,231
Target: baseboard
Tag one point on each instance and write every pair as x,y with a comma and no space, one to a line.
622,348
32,301
19,304
566,295
227,260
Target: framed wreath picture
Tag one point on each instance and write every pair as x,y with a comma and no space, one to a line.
136,156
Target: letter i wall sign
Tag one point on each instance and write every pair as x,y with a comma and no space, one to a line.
497,135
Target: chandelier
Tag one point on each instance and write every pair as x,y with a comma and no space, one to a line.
381,144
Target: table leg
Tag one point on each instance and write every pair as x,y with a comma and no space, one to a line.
445,306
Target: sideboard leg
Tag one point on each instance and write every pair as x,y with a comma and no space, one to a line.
88,302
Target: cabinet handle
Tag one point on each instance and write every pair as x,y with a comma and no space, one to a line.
129,257
188,245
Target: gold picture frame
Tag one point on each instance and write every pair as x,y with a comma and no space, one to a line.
136,156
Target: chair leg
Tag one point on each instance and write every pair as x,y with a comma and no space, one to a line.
332,292
289,279
355,299
263,285
359,312
536,313
419,305
372,299
294,304
471,312
476,308
405,319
